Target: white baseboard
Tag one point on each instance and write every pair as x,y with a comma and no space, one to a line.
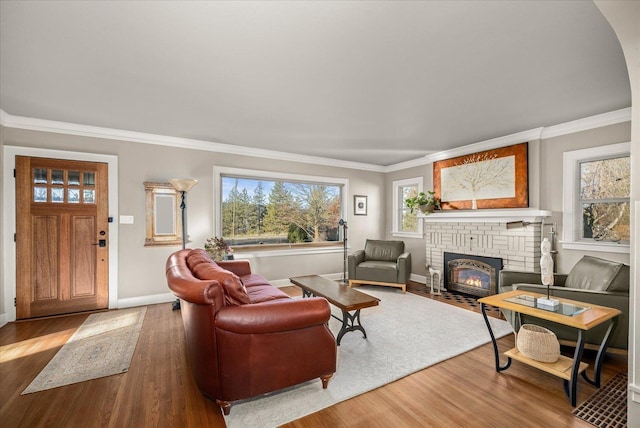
152,299
3,319
418,278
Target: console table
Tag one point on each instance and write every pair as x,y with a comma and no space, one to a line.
579,315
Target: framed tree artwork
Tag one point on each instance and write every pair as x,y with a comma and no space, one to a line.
495,178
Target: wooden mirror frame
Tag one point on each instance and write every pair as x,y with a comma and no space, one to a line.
164,220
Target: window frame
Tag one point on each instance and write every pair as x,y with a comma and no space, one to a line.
398,206
572,212
277,249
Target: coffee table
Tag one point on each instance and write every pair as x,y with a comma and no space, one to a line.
348,300
579,315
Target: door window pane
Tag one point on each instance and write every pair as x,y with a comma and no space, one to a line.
74,178
57,194
39,175
57,176
74,196
39,194
88,196
89,178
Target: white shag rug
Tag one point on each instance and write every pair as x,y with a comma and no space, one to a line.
405,333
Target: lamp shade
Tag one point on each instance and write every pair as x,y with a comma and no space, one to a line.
183,184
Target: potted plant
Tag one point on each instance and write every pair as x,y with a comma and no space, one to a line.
217,248
426,202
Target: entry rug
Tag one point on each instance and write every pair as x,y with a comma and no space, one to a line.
607,407
405,333
102,346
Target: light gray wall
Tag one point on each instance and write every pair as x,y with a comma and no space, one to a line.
141,269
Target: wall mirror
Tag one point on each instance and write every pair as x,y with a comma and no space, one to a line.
163,215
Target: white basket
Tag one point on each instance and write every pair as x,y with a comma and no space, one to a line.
538,343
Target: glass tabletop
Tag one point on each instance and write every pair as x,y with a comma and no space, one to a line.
562,309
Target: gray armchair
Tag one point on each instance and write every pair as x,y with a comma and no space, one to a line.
380,263
592,280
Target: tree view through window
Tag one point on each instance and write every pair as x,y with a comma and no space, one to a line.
604,199
270,211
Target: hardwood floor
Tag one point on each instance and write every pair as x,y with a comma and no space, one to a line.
159,391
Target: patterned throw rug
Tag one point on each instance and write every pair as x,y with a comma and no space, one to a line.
102,346
607,407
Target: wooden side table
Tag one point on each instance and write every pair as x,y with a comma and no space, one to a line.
579,315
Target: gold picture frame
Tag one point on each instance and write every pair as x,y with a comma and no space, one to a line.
495,178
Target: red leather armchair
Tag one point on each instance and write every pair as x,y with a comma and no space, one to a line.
240,350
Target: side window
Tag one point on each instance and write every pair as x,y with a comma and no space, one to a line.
604,199
596,201
406,223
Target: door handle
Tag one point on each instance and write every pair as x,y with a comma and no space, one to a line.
101,243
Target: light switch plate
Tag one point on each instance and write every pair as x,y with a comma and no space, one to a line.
126,219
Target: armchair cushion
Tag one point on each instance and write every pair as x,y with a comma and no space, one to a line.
593,273
387,251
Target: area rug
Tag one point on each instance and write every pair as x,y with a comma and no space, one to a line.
102,346
607,407
405,333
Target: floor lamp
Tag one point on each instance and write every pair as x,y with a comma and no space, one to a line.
344,246
182,185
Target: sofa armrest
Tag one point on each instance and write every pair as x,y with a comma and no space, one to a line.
186,287
404,267
274,316
354,260
239,267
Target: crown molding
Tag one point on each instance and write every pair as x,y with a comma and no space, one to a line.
597,121
520,137
44,125
542,133
591,122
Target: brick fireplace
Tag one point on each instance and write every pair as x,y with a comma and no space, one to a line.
513,235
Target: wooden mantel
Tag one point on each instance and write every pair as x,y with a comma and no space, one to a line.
530,215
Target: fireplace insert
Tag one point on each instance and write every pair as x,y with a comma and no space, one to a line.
475,275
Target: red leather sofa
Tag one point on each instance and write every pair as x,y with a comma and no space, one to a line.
245,337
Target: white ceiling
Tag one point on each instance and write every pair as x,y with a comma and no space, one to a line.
377,82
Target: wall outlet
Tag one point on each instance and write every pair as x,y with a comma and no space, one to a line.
126,219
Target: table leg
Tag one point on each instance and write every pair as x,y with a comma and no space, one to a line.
572,387
597,368
349,324
496,354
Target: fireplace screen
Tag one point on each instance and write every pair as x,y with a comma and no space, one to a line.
474,275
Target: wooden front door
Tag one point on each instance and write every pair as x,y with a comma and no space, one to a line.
62,237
